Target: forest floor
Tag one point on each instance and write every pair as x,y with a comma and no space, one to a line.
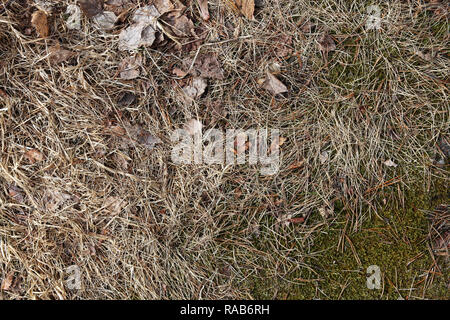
93,205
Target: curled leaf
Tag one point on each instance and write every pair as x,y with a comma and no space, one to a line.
40,23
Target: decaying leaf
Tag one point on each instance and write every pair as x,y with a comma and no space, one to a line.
142,32
179,73
216,111
246,7
121,161
91,8
53,199
390,163
326,44
163,6
273,85
146,15
206,66
34,155
193,126
283,47
276,144
141,136
240,143
116,3
127,99
308,27
135,36
74,20
132,134
59,55
146,139
195,90
105,20
16,194
129,67
296,164
119,7
204,12
181,25
40,23
114,205
7,281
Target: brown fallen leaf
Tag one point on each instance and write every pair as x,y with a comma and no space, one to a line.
276,144
181,25
146,139
3,93
59,55
118,130
283,47
34,155
308,27
326,44
142,31
53,199
16,194
121,161
126,99
129,67
206,66
273,85
114,205
195,90
7,281
204,12
105,20
163,6
179,73
240,143
296,164
40,23
246,7
91,8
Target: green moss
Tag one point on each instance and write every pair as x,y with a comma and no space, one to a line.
395,240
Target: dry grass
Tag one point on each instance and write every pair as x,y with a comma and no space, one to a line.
203,231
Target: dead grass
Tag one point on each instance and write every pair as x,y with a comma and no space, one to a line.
202,231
